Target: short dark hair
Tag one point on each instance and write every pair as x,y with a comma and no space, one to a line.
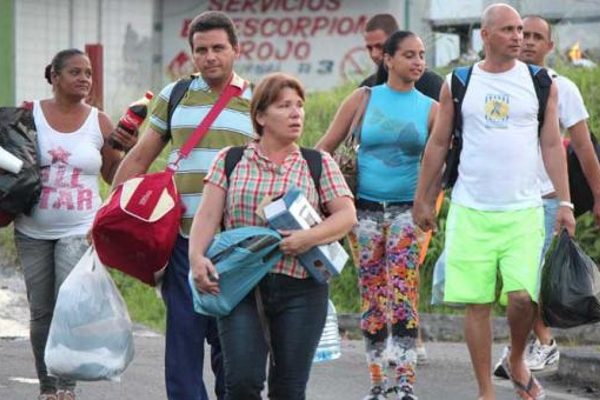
389,47
267,92
58,62
210,20
385,22
548,24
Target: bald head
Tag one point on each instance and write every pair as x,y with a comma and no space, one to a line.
502,34
494,12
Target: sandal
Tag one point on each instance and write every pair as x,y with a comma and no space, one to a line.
524,391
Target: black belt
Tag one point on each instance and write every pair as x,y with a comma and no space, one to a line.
370,205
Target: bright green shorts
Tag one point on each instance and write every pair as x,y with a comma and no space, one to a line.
479,244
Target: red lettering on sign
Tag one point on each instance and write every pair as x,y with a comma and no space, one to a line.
185,28
301,24
268,27
319,24
304,26
263,6
268,51
246,49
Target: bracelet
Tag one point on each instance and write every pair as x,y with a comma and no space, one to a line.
566,204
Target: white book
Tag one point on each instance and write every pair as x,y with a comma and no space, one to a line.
293,211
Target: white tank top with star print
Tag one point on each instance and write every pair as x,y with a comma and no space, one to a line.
70,165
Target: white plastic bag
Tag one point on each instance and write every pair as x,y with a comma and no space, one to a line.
90,336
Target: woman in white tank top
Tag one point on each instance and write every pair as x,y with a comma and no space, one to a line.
72,140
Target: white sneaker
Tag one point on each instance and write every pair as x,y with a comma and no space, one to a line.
539,356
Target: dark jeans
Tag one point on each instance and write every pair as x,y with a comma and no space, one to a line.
296,310
186,332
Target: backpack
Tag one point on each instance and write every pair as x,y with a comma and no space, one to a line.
459,83
179,90
313,159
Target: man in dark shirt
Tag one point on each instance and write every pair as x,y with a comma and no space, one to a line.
378,28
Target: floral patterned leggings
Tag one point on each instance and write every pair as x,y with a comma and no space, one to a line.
385,247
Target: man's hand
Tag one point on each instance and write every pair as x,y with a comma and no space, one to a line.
564,217
424,216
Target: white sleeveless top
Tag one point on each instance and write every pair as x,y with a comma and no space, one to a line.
70,166
498,164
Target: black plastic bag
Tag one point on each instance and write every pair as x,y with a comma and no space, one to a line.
19,192
570,292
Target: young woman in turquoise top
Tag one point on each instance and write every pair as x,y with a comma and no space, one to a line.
385,242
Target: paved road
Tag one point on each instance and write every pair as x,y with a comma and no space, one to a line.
447,375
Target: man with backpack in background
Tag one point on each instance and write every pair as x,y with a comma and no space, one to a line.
214,47
572,114
495,221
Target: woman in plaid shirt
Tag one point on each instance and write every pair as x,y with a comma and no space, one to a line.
294,304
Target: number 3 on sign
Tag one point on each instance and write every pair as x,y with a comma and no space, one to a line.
325,67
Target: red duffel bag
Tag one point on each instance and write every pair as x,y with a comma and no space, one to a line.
136,228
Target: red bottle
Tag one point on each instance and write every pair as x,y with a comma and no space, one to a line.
133,118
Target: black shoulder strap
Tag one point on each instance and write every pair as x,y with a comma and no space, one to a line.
313,159
232,158
177,94
542,83
458,87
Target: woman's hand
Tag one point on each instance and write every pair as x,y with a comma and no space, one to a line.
125,139
296,242
205,276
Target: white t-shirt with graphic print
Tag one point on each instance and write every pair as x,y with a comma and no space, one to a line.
70,166
499,160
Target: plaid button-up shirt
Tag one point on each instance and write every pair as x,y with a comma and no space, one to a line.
256,177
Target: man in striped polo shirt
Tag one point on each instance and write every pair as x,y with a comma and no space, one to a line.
214,47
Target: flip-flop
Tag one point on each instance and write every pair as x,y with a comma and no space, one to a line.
521,389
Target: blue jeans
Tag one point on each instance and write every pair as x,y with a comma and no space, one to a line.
550,210
296,310
186,333
46,264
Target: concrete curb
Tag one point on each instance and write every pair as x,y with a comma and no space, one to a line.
581,365
449,327
579,346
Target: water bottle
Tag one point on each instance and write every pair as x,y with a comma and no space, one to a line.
329,345
133,118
